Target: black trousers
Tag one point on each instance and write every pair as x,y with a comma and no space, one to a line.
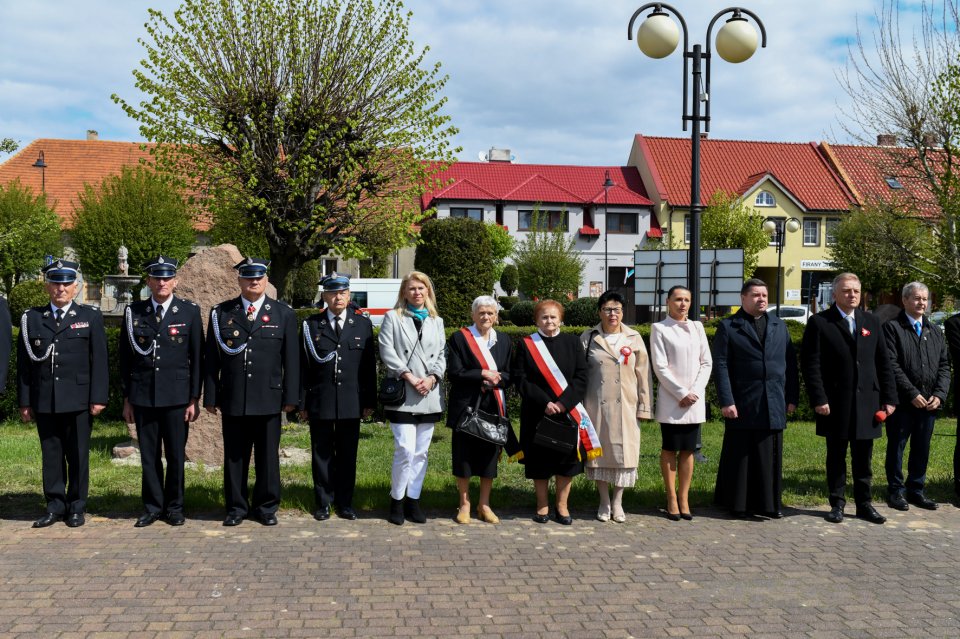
162,431
65,454
861,454
261,435
333,444
956,461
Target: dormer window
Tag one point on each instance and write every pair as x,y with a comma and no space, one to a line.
893,182
765,198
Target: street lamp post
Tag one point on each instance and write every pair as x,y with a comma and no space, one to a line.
607,183
777,228
657,37
40,164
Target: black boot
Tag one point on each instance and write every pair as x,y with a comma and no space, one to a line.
396,512
411,508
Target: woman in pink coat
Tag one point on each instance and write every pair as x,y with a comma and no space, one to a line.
680,355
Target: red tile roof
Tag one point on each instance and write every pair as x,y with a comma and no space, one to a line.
866,169
735,165
546,183
70,165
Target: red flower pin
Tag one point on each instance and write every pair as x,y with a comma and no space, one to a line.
865,332
266,318
880,416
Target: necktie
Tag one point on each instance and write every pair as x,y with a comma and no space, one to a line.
851,323
918,326
336,324
159,313
251,312
59,315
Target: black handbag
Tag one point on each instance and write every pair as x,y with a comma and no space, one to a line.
483,425
557,432
393,390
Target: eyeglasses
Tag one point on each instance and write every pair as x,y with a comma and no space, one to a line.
612,311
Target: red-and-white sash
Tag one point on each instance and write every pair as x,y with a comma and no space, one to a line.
558,383
487,363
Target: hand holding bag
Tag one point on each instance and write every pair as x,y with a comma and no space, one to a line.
557,432
393,390
483,425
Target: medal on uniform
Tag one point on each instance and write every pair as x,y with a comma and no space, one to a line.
142,340
624,354
229,322
236,333
251,317
230,343
36,342
266,318
174,330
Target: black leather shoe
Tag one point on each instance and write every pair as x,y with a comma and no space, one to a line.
75,520
268,519
920,501
146,519
47,520
563,520
346,513
412,511
176,519
233,520
835,516
897,502
541,519
322,514
396,512
868,513
774,514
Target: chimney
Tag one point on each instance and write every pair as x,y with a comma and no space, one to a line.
704,135
886,139
92,135
499,155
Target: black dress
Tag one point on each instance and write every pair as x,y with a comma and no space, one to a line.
535,393
473,457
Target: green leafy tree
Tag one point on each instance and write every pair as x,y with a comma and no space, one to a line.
26,294
8,145
29,230
510,279
884,247
137,209
727,222
547,263
231,226
456,254
501,246
316,118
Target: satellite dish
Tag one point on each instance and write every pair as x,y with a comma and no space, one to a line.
482,156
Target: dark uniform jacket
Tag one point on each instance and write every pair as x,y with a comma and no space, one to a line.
5,337
171,374
920,363
852,375
759,379
76,373
265,375
346,383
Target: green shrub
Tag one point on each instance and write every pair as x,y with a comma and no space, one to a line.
302,284
507,301
581,312
521,313
510,279
24,295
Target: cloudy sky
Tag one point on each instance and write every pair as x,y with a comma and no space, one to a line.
555,81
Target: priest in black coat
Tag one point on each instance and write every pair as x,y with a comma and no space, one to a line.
339,370
852,389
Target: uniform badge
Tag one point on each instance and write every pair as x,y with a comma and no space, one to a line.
266,318
160,260
229,322
135,322
46,313
179,340
174,309
266,307
230,343
71,312
174,330
350,320
142,340
36,342
236,333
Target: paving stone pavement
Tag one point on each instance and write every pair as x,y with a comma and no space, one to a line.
712,577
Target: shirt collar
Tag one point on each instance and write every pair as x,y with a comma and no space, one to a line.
491,335
342,315
66,308
165,305
256,305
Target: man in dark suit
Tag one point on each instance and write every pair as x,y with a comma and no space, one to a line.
6,335
339,372
952,329
62,382
849,380
755,370
161,346
252,375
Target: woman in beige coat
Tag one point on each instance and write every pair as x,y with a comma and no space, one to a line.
682,363
618,394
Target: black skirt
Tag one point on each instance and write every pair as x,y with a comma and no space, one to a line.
473,457
749,472
679,436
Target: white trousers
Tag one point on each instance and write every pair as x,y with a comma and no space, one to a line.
410,445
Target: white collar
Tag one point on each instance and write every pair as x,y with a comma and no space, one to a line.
342,316
256,305
54,308
491,336
166,305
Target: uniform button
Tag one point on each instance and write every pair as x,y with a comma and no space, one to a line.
339,383
157,368
158,357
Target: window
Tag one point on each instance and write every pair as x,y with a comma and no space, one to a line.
471,213
329,266
622,223
831,230
811,232
686,229
893,182
549,220
765,198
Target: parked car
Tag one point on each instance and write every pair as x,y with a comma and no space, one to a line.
939,317
796,313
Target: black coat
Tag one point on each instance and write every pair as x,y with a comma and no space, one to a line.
171,375
464,375
347,384
6,335
852,375
920,363
952,329
76,373
760,381
265,376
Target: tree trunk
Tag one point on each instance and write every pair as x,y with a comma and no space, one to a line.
282,266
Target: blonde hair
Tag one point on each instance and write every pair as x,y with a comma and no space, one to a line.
430,302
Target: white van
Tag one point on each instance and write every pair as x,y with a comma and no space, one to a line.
374,296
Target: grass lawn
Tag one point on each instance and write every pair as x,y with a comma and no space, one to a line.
115,489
